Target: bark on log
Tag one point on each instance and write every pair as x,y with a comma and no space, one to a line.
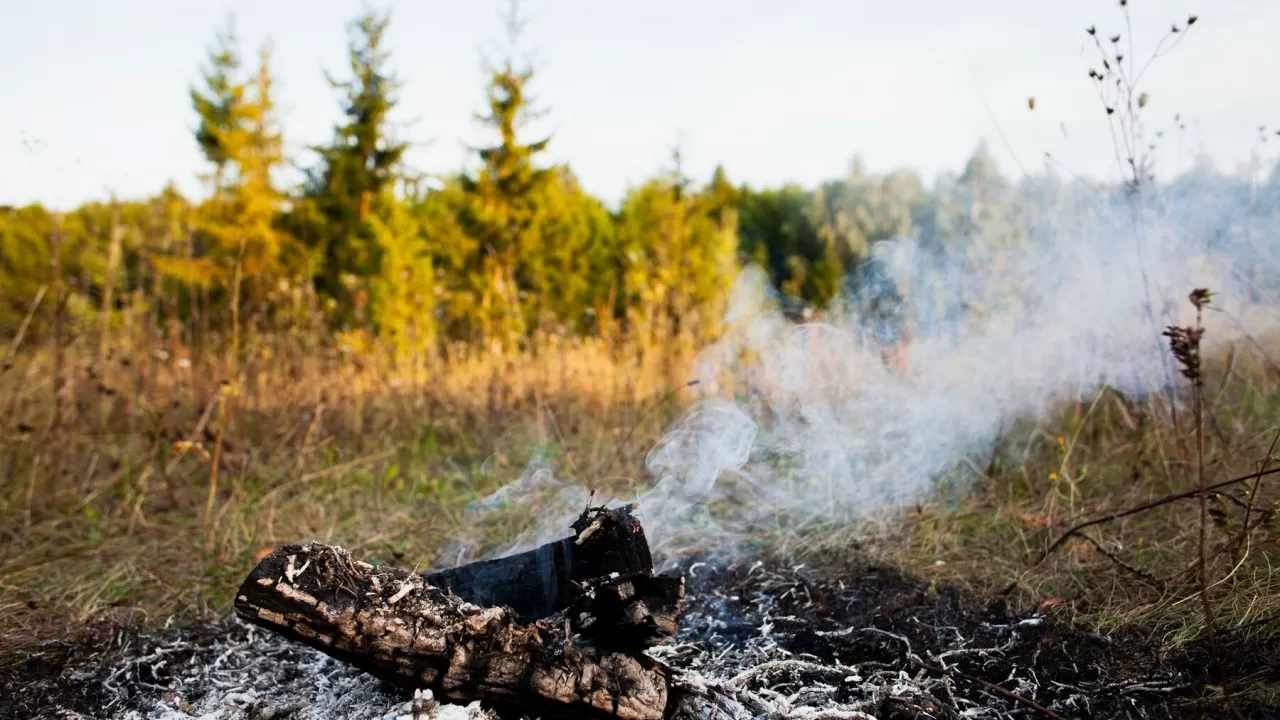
395,626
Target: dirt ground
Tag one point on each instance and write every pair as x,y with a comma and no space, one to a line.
810,642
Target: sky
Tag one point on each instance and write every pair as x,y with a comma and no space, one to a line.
95,94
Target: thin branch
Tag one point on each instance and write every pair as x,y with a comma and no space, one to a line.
622,446
1159,502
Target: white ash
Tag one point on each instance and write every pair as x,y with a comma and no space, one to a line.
250,674
733,639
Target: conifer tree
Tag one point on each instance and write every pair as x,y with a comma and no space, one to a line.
404,297
357,171
219,107
239,135
256,146
217,102
543,255
502,212
680,249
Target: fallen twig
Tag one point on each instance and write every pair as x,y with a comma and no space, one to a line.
1132,569
349,465
1167,499
1010,695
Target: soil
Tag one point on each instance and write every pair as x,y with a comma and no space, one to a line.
802,642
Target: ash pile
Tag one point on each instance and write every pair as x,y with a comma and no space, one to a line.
585,628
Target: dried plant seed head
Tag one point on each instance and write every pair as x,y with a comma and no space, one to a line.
1142,100
1091,30
1200,298
1031,103
1111,111
1192,19
1115,38
1174,29
1184,344
1119,57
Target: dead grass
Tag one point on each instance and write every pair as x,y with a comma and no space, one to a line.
1104,454
102,513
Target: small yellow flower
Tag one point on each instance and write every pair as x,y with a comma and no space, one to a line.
1053,477
1061,441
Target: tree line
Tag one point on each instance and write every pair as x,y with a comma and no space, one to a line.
495,255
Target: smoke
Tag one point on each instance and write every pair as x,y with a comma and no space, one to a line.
943,342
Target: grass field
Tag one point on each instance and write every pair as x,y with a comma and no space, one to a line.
139,487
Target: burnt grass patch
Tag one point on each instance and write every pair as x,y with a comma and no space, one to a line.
822,642
969,656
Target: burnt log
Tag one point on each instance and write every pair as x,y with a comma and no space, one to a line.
631,612
396,626
548,579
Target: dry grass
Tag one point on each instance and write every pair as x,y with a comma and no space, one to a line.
103,505
1105,454
103,511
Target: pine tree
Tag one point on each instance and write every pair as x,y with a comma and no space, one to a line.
217,103
357,171
544,256
219,107
404,297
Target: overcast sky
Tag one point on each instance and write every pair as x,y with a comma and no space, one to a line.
94,94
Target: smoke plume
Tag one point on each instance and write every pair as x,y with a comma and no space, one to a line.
927,360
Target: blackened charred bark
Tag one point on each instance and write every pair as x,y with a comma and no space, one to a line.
628,613
548,579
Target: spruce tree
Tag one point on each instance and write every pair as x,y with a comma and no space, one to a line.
501,212
357,171
235,248
218,101
253,200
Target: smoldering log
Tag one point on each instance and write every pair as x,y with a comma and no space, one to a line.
627,613
394,625
548,579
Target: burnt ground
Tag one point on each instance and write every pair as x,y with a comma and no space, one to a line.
799,642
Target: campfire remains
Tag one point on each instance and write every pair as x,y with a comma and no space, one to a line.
557,631
845,639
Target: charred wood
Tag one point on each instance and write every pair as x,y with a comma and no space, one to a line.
394,625
548,579
628,613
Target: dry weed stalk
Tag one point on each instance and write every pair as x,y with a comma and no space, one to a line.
1118,89
1184,344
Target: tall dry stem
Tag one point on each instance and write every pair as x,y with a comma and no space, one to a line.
59,301
225,394
1184,343
109,278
